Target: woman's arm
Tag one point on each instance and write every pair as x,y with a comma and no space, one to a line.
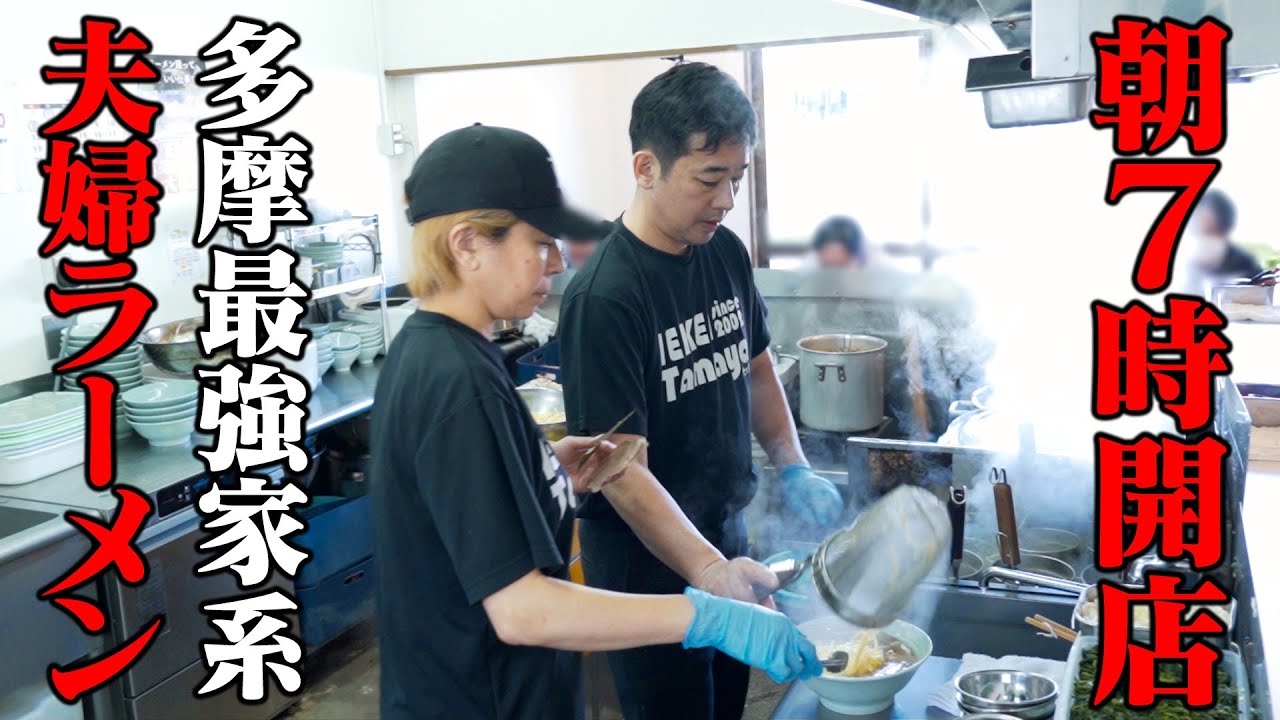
546,612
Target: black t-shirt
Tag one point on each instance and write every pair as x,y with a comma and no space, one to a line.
469,497
671,336
1237,263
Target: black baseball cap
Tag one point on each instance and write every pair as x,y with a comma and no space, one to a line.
483,167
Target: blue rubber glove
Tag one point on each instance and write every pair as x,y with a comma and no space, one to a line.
751,634
811,496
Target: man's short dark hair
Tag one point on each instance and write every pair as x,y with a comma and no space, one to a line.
842,230
688,99
1223,210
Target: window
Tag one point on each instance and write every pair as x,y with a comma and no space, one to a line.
840,120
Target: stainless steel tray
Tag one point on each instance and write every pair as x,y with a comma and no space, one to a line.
1232,660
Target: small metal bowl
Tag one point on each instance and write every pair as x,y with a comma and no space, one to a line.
541,401
1005,690
1036,712
174,346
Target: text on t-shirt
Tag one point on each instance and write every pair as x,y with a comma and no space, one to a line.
677,345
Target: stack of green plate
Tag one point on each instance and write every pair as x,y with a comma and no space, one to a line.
125,366
321,253
40,434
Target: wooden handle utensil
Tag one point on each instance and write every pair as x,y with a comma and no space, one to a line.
1058,630
582,461
1006,518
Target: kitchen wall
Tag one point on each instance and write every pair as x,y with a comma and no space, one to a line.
339,118
579,110
417,34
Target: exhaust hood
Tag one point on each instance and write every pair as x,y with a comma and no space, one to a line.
1013,98
1043,64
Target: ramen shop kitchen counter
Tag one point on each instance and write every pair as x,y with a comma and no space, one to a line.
799,702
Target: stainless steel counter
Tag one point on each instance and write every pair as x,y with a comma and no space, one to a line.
1262,537
340,396
37,543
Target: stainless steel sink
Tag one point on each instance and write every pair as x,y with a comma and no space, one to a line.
961,618
36,547
14,520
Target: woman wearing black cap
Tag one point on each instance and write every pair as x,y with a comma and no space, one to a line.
474,509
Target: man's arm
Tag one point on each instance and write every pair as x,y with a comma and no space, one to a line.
808,495
603,353
651,512
771,416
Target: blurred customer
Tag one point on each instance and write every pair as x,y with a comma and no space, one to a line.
838,242
1214,253
578,250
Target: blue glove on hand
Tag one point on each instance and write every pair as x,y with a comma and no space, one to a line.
811,496
752,634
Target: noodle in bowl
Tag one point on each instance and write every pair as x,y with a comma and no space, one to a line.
889,673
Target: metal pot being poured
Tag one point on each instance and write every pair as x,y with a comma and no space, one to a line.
867,571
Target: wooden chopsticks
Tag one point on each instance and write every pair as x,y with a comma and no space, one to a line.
1057,630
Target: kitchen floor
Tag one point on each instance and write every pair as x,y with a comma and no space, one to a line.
342,684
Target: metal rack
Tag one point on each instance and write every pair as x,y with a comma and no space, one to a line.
334,285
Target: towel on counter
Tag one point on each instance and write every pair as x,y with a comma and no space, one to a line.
944,697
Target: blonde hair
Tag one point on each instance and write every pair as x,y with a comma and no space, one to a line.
434,267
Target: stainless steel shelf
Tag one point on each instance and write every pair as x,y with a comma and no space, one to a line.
346,287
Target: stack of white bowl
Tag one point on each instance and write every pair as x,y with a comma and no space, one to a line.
40,434
317,330
163,412
324,354
370,340
346,349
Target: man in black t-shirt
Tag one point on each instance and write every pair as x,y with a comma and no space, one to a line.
666,320
474,507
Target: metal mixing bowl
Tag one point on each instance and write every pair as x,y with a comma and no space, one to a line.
173,346
542,401
1006,691
1043,711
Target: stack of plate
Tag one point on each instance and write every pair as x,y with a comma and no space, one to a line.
370,340
163,412
125,366
39,435
324,355
321,253
305,271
